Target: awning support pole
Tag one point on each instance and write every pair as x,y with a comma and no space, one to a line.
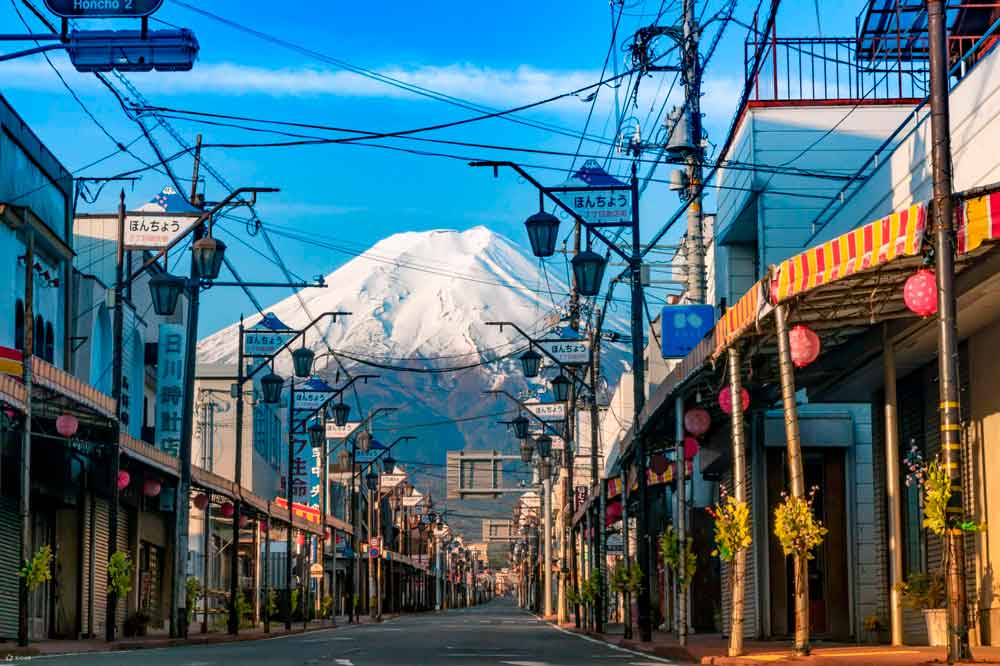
739,563
795,474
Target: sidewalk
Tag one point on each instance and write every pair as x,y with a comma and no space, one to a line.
54,647
710,649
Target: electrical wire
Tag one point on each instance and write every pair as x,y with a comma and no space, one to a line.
388,80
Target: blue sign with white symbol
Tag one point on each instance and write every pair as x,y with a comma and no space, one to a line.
683,327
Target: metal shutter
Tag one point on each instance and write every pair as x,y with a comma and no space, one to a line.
10,536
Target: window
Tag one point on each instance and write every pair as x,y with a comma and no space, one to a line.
19,324
50,343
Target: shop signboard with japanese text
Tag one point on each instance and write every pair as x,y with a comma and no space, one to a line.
169,387
548,411
307,467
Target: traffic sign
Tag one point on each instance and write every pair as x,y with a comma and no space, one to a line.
316,570
103,8
373,553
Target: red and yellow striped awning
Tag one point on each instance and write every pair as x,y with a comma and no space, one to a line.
740,317
977,221
11,362
896,235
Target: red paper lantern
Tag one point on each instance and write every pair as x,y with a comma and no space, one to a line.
151,488
726,399
804,344
691,448
920,293
227,509
613,513
123,480
697,421
659,464
67,425
300,539
201,501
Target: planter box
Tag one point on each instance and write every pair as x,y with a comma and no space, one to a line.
937,626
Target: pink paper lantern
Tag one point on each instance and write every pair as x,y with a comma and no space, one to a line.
691,448
151,488
67,425
227,510
201,501
123,480
726,399
804,344
244,520
697,421
920,293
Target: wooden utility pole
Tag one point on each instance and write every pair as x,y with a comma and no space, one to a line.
948,389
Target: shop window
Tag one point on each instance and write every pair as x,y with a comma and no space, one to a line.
19,324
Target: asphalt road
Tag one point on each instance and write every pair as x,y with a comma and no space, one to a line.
497,633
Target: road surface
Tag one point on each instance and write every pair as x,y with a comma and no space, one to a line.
495,634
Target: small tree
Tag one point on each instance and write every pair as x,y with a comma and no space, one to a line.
670,549
38,569
120,574
192,593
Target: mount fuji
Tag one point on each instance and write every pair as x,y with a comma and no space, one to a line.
419,303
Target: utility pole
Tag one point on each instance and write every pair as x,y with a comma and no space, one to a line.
944,256
180,628
595,489
24,503
695,260
118,334
691,76
234,552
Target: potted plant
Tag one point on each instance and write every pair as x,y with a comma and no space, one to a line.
925,592
137,623
873,626
192,592
38,569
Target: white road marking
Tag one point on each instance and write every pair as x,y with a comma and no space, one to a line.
343,662
526,663
650,659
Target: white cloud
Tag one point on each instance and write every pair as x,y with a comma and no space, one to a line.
494,87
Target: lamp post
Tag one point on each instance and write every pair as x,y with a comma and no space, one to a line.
588,270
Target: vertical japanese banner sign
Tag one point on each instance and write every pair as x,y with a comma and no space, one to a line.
306,468
169,388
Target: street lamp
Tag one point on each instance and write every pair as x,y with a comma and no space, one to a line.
372,480
530,362
317,434
560,388
340,413
363,441
302,360
542,230
526,451
207,254
271,385
388,463
543,445
520,426
588,269
164,290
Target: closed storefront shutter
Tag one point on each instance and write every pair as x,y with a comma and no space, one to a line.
10,537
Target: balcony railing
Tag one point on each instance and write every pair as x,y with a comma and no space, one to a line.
827,69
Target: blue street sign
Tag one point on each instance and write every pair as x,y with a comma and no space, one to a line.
373,553
683,327
103,8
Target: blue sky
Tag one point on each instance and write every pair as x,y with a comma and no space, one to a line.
499,55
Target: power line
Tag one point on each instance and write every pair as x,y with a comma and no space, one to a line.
382,78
